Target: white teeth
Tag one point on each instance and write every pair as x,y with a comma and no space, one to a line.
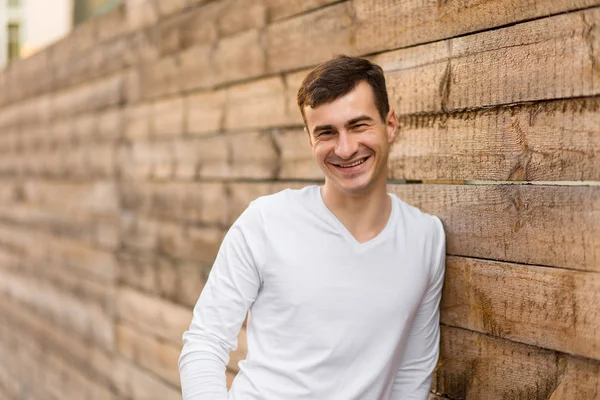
353,165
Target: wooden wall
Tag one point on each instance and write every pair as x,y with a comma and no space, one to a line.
128,148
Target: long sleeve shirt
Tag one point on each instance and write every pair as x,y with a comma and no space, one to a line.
329,317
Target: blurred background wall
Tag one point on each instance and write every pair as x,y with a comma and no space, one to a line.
128,147
28,26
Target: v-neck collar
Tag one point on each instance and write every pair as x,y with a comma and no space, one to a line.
356,245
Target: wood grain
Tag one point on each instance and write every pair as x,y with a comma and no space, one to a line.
128,148
550,141
297,159
545,59
546,225
158,357
34,363
16,362
204,112
58,275
149,236
96,197
381,26
310,38
433,396
545,307
98,94
254,155
91,360
152,315
84,319
76,257
476,366
203,203
267,108
280,9
90,231
389,24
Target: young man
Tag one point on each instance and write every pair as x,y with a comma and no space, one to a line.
343,281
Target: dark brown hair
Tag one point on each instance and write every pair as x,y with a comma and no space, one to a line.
337,77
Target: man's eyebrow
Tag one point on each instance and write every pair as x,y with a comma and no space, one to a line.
359,119
323,128
347,124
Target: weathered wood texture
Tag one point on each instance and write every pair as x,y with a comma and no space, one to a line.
547,225
476,366
129,147
546,307
556,140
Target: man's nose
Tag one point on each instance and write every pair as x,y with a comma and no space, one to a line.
346,145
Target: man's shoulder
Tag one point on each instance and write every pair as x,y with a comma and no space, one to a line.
282,200
279,209
416,217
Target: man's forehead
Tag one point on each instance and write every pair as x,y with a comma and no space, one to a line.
359,101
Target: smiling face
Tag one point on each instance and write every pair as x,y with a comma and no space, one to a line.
350,140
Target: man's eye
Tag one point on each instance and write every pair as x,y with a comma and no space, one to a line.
324,133
360,126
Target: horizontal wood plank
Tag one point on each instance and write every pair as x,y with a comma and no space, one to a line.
558,140
153,315
309,38
247,155
76,257
177,281
545,307
297,160
18,361
98,94
133,382
203,203
388,24
84,319
159,357
86,230
98,293
376,27
89,160
476,366
480,71
90,359
280,9
546,225
144,235
34,362
95,197
268,106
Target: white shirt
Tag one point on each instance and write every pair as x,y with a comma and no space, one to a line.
330,318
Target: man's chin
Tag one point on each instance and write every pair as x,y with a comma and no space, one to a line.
350,186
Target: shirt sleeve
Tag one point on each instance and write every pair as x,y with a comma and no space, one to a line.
230,290
413,377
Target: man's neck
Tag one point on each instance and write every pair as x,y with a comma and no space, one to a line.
365,215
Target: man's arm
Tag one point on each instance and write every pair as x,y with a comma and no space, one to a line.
230,290
413,378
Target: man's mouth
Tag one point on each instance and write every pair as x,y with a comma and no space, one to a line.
353,164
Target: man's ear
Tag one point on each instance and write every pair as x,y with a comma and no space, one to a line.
310,139
391,123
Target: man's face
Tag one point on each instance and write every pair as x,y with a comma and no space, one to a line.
350,141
